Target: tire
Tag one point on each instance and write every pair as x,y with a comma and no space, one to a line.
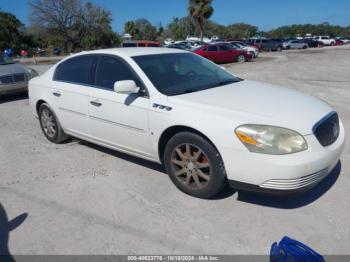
202,174
241,59
304,47
50,125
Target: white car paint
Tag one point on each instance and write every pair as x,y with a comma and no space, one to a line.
215,112
326,40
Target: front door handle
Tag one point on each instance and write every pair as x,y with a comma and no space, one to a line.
95,103
56,93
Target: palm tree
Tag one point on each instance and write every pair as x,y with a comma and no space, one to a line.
130,28
200,11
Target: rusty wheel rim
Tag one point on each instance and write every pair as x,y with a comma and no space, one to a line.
191,166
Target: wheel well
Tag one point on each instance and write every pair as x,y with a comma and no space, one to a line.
170,132
38,104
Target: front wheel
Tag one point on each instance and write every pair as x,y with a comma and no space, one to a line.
194,165
241,59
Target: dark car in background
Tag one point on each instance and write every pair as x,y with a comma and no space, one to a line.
14,77
312,42
56,51
267,44
223,53
177,46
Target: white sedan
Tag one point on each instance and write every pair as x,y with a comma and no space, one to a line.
208,127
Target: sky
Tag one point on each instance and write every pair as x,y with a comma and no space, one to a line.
266,14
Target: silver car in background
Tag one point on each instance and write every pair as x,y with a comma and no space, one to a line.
295,44
14,77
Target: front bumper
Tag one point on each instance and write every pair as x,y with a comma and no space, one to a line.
285,173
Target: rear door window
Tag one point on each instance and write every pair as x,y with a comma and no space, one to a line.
212,48
224,48
77,70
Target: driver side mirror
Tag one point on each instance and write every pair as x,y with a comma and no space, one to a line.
126,87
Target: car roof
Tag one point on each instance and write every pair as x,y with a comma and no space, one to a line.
134,51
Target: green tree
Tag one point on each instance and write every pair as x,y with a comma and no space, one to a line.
200,11
98,27
73,24
10,31
179,28
241,31
130,28
13,33
145,30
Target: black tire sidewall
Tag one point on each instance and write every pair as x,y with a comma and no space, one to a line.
218,177
59,135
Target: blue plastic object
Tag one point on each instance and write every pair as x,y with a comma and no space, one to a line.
290,250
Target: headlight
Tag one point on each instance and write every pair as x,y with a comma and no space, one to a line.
32,73
270,139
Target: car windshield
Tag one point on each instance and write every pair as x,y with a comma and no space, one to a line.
180,73
4,59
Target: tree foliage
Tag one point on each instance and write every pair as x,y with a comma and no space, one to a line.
180,28
130,28
302,30
13,34
200,11
73,24
80,24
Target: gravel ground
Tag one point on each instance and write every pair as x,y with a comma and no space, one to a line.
84,199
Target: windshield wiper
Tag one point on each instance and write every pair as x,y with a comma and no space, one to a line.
222,83
184,92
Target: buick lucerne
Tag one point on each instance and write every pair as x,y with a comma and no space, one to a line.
208,127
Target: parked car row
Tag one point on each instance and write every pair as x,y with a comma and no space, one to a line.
31,52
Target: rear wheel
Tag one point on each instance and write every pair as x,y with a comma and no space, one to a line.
241,59
50,125
194,165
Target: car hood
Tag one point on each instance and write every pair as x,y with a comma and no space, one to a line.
9,69
250,102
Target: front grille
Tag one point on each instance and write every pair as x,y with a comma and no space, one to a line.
19,78
6,79
10,79
296,183
327,129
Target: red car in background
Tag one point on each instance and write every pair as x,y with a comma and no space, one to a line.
223,53
339,42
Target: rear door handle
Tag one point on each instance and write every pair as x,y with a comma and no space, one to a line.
96,103
56,93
